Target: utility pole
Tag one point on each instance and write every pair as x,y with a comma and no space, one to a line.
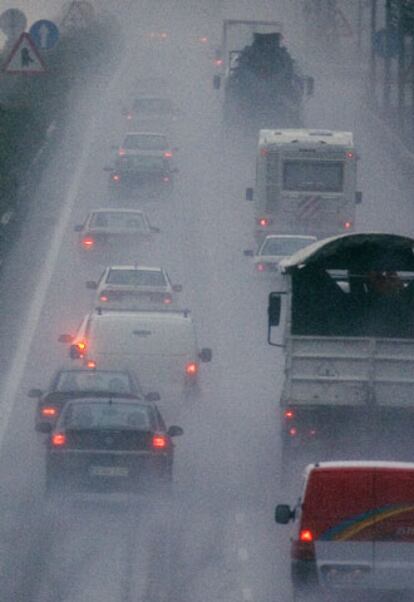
373,56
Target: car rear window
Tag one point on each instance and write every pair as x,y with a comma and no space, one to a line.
136,277
141,162
145,142
120,220
107,415
70,381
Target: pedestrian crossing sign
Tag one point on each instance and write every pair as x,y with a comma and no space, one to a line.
24,57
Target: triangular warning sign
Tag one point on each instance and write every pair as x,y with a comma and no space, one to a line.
24,57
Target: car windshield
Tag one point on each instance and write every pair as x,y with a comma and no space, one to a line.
107,415
285,246
71,380
313,176
145,142
136,277
118,219
141,162
153,105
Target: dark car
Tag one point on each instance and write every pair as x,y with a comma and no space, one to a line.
110,443
72,383
141,171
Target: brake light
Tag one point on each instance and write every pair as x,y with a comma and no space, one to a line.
203,39
167,300
103,298
219,62
303,548
168,154
350,155
263,222
191,368
129,116
159,441
49,411
116,177
289,414
264,152
260,267
293,431
306,535
166,179
58,439
121,152
88,242
348,225
91,364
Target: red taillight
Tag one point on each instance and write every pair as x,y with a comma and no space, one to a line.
91,364
159,441
88,242
219,62
121,152
58,439
289,414
191,368
350,155
168,154
263,222
81,346
293,431
167,300
348,225
303,548
166,179
203,39
49,411
264,152
116,177
103,298
261,267
129,116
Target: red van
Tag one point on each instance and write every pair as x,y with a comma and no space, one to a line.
354,528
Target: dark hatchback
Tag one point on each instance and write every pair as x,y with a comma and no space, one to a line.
111,444
142,171
78,382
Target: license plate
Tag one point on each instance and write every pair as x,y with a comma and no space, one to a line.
109,471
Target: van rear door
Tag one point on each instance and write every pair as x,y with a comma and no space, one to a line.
394,536
336,510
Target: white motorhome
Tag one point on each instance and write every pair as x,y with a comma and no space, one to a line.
160,347
344,316
306,183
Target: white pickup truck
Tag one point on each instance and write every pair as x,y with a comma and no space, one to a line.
344,315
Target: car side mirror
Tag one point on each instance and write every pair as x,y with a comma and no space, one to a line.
310,86
152,396
249,194
283,514
78,228
92,284
248,253
35,393
44,427
205,355
65,338
358,197
175,431
177,288
216,82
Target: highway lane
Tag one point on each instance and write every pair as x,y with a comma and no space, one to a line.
216,537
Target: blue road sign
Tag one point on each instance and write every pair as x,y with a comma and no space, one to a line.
44,34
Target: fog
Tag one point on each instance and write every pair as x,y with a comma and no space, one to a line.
215,538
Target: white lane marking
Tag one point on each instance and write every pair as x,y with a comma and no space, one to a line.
9,393
243,554
247,594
